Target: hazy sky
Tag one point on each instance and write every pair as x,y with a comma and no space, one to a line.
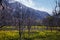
42,5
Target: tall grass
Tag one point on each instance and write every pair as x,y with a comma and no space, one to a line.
40,35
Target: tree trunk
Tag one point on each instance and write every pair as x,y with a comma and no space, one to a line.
20,32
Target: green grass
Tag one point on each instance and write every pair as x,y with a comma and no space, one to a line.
40,35
35,34
9,35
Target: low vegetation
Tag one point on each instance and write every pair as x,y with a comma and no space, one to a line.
40,35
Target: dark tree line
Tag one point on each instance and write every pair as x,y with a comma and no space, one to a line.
54,20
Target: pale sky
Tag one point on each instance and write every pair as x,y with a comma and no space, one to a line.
42,5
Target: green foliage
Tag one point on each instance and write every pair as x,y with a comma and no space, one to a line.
9,35
42,35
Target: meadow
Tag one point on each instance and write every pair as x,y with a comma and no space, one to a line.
33,35
45,35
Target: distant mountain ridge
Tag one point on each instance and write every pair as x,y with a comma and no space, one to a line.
18,10
20,7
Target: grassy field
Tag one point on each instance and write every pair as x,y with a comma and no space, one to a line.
37,35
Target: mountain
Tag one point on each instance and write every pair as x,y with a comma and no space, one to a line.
24,9
14,11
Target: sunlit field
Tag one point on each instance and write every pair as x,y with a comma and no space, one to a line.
33,35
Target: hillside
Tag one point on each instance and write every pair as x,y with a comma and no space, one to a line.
13,12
